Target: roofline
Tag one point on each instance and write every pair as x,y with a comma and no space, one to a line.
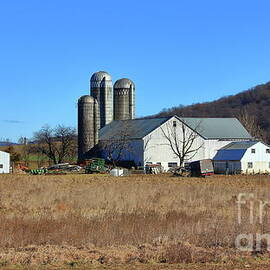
255,142
228,139
178,117
264,143
5,152
207,117
141,138
166,117
207,138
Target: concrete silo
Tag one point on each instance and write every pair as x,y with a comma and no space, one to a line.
124,99
101,89
88,125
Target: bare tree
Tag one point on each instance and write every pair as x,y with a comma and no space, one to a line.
58,144
251,124
25,150
147,146
181,140
26,154
23,140
40,158
118,144
6,141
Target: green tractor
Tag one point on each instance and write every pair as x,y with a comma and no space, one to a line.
95,165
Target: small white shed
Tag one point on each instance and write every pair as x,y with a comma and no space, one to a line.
4,162
246,157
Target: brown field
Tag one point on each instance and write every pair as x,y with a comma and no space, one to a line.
135,222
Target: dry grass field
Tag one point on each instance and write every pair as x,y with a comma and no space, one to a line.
135,222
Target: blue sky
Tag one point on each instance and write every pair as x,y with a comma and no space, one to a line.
176,52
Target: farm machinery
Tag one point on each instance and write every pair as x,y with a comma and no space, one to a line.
95,165
199,168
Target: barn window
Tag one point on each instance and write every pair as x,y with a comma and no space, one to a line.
172,164
1,166
250,165
267,150
174,123
253,151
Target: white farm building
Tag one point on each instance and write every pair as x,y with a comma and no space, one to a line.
247,157
4,162
147,142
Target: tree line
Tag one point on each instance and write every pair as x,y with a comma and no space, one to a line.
56,145
251,107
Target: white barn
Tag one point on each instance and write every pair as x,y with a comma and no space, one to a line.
247,157
147,143
4,162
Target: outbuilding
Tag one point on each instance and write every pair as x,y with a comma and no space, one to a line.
4,162
248,157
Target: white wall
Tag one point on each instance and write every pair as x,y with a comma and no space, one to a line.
157,149
212,146
260,159
4,162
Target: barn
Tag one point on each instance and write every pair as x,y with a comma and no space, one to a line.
4,162
247,157
147,141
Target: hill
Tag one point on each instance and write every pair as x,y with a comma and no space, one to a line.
251,107
5,143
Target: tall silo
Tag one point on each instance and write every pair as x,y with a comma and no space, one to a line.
101,88
88,125
124,99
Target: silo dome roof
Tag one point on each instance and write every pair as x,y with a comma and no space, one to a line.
100,75
86,99
123,83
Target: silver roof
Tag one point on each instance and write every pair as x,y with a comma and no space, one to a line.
123,83
136,128
100,75
208,128
239,145
217,128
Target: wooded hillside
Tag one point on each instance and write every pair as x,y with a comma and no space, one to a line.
251,107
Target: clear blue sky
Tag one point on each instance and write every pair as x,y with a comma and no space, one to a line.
176,52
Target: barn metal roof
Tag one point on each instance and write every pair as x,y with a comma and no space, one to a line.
218,128
239,145
233,154
208,128
135,128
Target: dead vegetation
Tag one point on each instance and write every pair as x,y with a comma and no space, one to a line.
101,220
